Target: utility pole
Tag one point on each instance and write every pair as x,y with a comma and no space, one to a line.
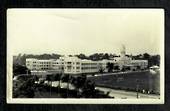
27,71
68,85
137,88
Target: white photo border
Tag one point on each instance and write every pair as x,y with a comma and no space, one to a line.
9,82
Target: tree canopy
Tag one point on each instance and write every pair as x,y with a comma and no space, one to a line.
19,69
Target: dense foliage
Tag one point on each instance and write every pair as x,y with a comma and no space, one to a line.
26,88
19,69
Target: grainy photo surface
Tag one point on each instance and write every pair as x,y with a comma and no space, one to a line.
94,56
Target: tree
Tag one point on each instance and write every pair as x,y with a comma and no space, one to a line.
116,67
127,68
146,56
154,60
106,56
123,68
110,67
35,77
101,69
82,56
66,78
138,67
56,77
79,82
49,78
25,89
19,69
88,89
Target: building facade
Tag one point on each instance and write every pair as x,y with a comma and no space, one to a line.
44,65
74,65
69,65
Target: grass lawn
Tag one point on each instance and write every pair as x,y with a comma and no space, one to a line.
129,81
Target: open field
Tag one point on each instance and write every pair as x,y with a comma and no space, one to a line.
142,81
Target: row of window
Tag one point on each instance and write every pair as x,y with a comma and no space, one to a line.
44,62
89,63
30,61
73,63
89,68
40,62
41,65
140,63
66,63
45,68
63,63
73,71
68,67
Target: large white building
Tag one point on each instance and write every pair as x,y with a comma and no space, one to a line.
74,65
69,65
124,61
51,65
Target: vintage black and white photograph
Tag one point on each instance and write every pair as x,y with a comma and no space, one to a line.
85,56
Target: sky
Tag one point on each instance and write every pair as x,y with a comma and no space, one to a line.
87,31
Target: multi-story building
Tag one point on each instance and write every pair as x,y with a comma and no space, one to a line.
74,65
89,66
103,64
124,61
142,64
44,65
70,65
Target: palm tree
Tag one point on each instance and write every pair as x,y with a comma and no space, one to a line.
110,66
49,78
57,77
67,79
79,82
101,69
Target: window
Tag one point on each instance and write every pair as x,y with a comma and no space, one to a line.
69,67
68,62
